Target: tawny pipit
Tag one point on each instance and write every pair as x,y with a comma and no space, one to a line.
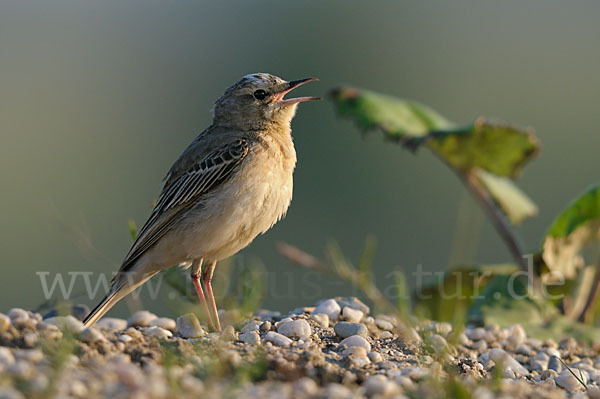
232,183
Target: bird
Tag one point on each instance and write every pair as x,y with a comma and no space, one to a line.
232,183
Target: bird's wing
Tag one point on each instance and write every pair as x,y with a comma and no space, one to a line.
182,192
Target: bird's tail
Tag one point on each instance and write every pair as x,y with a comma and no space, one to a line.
122,286
108,302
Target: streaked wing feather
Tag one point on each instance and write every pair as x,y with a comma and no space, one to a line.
182,194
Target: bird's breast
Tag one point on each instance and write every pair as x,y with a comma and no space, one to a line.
257,196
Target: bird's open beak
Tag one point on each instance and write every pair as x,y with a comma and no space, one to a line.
291,86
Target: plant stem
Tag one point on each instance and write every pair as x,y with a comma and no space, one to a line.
498,219
587,311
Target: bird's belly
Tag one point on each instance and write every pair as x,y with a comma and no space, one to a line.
258,196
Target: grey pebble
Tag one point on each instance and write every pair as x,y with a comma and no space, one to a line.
346,329
499,356
252,325
566,380
375,357
480,346
18,317
555,364
250,337
475,334
10,393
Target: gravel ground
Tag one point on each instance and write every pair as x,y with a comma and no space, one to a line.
333,350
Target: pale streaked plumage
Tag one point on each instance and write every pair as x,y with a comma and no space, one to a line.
232,183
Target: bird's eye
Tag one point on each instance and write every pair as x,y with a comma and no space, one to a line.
260,94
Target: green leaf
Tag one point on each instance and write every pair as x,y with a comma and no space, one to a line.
514,202
577,227
397,118
496,147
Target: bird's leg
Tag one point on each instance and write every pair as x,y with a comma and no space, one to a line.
206,279
195,272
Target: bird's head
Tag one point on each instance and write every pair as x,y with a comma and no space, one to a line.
256,102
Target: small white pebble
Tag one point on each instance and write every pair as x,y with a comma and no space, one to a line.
359,362
499,356
329,307
284,320
189,383
141,318
379,385
252,325
305,387
164,322
295,329
553,352
356,340
21,369
30,339
91,335
516,335
6,356
439,343
31,355
384,324
125,338
111,323
77,388
352,315
337,391
277,339
157,332
69,323
189,326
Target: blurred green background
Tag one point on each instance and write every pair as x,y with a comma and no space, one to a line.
98,98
